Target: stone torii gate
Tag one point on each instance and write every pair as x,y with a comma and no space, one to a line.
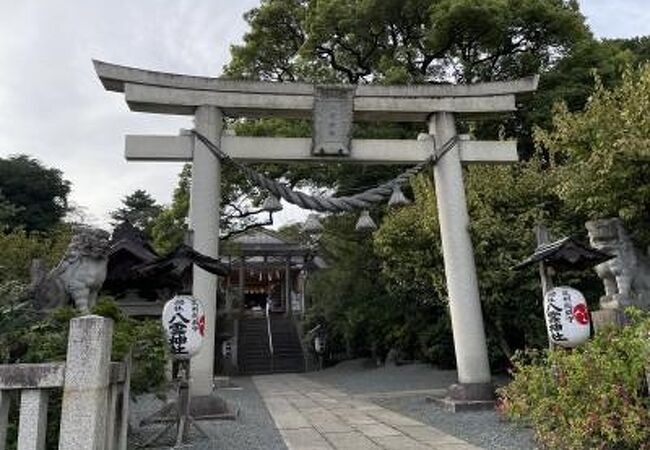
333,109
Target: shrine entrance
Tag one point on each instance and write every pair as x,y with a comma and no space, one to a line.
264,266
332,109
263,283
264,303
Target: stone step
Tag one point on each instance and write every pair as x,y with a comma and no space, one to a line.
294,362
254,356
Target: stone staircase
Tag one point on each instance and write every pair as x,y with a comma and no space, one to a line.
287,356
254,356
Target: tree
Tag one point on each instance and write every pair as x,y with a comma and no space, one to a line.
504,204
140,209
639,46
404,40
170,226
39,194
240,209
398,41
602,154
362,313
18,248
571,81
599,161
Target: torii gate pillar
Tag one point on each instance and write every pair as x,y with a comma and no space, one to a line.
204,224
460,269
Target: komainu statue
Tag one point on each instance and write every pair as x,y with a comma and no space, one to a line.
627,276
78,276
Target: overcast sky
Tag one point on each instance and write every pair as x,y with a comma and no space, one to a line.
53,107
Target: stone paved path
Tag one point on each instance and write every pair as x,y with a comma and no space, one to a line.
313,416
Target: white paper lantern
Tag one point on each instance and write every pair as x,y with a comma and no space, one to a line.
567,317
184,322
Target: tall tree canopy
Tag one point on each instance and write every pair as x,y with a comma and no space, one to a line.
393,41
38,195
571,79
18,248
602,154
424,41
404,41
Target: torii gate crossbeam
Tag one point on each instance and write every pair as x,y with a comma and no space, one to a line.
212,99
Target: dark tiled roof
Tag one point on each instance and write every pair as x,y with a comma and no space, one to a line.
566,254
180,260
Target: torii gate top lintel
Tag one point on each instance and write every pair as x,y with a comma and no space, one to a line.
160,92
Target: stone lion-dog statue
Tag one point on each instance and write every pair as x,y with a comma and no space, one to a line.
79,275
627,276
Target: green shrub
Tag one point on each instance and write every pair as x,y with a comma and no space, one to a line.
146,342
592,397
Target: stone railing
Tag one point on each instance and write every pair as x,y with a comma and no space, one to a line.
94,410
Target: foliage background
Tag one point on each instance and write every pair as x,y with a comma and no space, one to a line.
32,196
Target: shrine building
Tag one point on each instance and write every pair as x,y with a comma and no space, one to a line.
264,268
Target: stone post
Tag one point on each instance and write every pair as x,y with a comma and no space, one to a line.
32,423
204,221
460,270
4,416
122,429
85,388
111,415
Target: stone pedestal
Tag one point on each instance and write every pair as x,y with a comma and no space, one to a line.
607,317
463,397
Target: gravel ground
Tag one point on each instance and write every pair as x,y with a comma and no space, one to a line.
361,376
485,429
252,430
391,387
